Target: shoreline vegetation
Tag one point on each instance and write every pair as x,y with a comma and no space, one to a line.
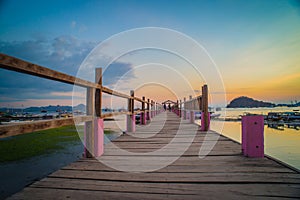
38,143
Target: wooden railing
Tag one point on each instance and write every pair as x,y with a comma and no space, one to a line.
187,108
93,98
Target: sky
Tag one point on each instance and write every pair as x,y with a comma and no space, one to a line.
251,48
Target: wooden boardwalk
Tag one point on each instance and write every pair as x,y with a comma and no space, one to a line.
223,174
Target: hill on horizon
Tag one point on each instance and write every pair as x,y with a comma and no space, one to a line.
247,102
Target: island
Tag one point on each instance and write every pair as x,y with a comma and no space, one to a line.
246,102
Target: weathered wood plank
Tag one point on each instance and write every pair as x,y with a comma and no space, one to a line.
21,128
18,65
207,177
220,175
160,188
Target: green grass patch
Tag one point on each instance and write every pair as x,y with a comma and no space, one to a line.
39,143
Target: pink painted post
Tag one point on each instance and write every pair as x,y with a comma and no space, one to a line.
203,121
192,116
131,123
99,135
253,136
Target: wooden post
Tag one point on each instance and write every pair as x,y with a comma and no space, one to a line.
152,106
177,107
180,109
192,110
131,116
98,122
205,121
184,111
98,96
89,126
148,110
143,115
199,103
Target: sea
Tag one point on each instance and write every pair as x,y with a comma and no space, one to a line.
281,143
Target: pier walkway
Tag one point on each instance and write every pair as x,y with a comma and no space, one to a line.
223,174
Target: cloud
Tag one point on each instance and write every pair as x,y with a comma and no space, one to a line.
64,54
115,71
73,24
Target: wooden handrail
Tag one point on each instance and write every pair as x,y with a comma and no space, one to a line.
18,65
93,101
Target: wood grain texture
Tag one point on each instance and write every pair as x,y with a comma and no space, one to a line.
222,174
29,127
21,66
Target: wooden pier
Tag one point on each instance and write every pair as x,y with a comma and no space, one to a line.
223,174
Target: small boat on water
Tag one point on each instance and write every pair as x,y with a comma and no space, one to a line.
285,116
212,115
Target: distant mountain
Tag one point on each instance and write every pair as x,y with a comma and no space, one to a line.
49,108
246,102
80,107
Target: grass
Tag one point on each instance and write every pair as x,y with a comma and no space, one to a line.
39,143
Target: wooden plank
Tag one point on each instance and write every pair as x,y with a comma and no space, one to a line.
18,65
112,114
216,176
98,95
161,188
90,125
29,127
188,164
207,177
115,93
204,107
150,191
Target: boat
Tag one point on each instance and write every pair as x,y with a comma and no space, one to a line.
218,109
212,115
274,116
291,116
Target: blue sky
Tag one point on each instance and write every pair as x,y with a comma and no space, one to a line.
255,44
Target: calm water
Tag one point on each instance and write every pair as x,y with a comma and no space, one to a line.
282,144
